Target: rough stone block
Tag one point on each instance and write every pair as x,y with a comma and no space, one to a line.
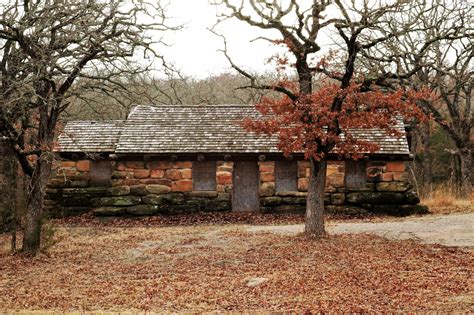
129,182
271,201
76,201
202,193
182,164
175,198
141,173
157,173
335,180
120,166
397,166
267,189
400,176
155,199
83,165
224,188
267,177
266,168
301,171
387,177
218,205
120,174
182,185
138,190
294,200
338,198
173,174
412,197
159,165
376,198
186,173
303,184
393,186
143,209
224,196
116,201
224,178
79,183
135,164
291,194
68,164
158,189
156,181
224,169
109,211
119,190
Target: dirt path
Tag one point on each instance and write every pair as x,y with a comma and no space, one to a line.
449,230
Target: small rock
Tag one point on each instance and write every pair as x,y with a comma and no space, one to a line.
256,282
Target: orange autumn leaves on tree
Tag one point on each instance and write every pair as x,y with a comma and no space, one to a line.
309,125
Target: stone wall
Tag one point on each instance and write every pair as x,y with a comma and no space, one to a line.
165,187
387,190
137,188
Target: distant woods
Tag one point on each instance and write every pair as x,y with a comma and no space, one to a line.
175,90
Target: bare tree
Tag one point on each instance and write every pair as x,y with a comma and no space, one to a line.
359,28
438,52
53,51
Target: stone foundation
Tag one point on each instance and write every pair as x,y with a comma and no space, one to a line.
165,187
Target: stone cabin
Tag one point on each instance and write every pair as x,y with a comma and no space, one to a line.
180,159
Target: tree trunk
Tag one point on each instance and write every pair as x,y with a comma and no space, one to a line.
34,207
465,186
315,201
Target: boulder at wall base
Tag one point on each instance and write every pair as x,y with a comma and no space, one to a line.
158,189
155,199
76,201
397,210
119,190
376,198
202,193
412,197
143,209
116,201
138,190
393,186
88,191
271,201
109,211
218,205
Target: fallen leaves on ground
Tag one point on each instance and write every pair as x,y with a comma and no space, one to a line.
209,267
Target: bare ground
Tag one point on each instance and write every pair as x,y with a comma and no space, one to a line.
237,268
449,230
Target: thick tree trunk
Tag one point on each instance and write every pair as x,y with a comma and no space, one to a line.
465,186
34,207
315,202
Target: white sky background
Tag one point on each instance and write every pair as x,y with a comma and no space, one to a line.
194,49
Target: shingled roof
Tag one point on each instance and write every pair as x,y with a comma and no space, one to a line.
191,129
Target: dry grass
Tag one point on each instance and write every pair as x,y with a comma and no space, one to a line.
207,268
442,201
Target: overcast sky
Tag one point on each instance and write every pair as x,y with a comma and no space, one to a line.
195,49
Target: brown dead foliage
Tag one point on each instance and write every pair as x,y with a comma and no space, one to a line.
206,268
200,218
